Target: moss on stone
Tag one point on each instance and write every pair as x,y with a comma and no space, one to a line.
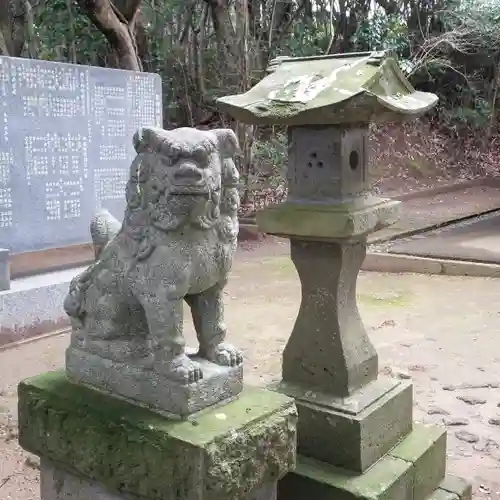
134,450
335,220
345,88
388,479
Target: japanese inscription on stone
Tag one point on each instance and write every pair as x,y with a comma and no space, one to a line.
66,147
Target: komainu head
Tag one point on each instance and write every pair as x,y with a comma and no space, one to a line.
180,172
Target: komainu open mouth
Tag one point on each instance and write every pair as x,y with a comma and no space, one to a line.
183,190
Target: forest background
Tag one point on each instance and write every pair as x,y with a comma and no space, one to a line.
203,49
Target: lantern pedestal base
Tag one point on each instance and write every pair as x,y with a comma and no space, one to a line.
414,469
353,432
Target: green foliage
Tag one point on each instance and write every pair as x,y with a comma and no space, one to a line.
303,41
270,157
68,36
383,32
461,64
449,47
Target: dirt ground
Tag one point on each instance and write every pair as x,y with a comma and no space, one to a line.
440,331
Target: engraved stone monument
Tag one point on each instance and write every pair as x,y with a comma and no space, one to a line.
137,414
66,146
356,438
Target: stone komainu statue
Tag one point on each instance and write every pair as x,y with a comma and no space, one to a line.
176,244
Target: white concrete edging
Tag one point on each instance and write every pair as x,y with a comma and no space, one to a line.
397,263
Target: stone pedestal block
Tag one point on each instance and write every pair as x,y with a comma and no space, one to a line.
353,432
58,484
149,388
413,470
115,450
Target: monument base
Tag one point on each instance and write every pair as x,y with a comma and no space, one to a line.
148,388
122,449
356,431
58,484
4,269
32,306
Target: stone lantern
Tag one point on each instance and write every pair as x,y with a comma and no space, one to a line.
356,437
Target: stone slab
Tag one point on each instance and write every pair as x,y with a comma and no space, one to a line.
413,470
352,405
4,269
70,127
355,441
151,389
59,484
440,494
457,485
389,479
221,453
476,241
425,448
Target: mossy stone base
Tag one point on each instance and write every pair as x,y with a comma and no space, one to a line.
425,448
348,219
456,486
222,453
59,484
354,432
413,470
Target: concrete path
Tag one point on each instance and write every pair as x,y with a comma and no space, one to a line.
477,240
442,332
423,212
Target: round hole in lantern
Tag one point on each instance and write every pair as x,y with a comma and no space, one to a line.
353,160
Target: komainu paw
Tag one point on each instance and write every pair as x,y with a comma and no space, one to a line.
180,369
224,355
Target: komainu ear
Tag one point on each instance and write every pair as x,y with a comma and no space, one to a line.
228,142
138,139
147,139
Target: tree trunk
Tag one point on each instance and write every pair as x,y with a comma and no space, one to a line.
118,27
14,15
224,33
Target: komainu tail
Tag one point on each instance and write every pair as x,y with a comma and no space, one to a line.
103,228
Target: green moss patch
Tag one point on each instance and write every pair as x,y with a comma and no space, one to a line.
134,450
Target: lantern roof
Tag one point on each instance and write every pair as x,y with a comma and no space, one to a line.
327,90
